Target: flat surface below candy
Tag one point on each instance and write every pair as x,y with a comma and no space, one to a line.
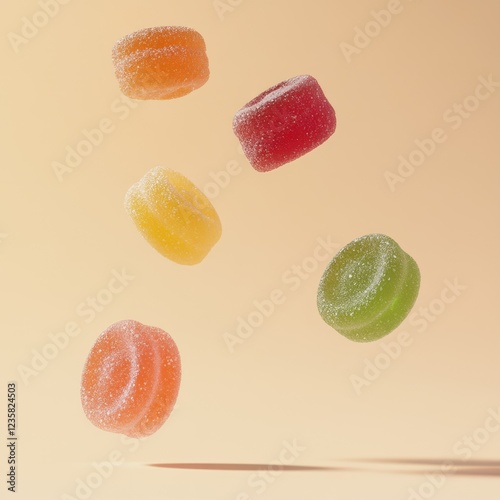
72,263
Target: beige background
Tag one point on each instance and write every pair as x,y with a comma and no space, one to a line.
292,380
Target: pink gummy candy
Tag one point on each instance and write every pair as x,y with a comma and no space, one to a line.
284,123
131,379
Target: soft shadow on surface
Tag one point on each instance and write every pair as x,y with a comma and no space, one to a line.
377,465
247,467
429,461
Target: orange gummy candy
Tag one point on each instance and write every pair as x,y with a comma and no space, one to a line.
131,379
160,63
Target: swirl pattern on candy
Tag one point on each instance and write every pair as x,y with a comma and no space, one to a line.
160,63
368,288
174,216
284,123
131,379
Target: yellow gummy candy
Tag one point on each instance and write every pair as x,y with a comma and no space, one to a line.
174,216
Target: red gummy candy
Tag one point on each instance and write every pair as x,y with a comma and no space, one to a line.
284,123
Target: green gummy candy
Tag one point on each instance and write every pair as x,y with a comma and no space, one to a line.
368,288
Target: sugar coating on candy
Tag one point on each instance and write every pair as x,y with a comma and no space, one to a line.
160,63
284,123
174,216
368,288
131,379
